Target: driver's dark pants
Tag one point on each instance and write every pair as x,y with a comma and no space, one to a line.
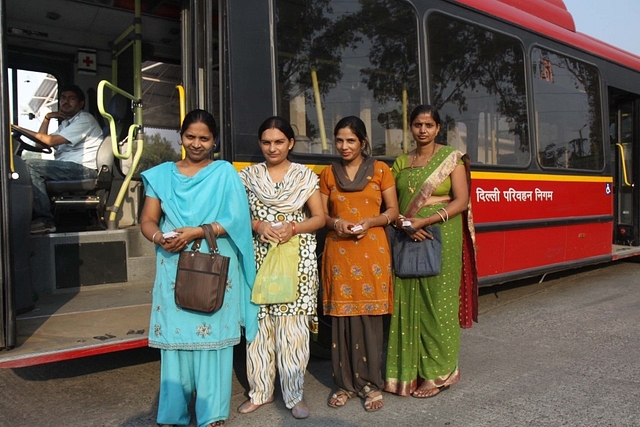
42,170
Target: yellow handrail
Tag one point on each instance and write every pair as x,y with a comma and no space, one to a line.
135,132
112,122
183,112
318,99
624,165
405,119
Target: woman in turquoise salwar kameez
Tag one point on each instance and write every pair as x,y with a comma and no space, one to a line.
197,348
424,335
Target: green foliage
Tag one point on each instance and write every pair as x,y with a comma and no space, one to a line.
157,149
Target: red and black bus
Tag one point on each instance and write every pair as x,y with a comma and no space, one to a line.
550,118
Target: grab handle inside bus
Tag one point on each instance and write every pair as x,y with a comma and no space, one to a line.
623,162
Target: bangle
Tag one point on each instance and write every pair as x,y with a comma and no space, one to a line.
153,238
441,216
217,229
386,215
257,226
293,228
335,223
446,213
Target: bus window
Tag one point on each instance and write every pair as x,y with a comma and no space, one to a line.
568,112
477,79
36,94
364,58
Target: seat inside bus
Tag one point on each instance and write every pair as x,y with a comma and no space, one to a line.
92,194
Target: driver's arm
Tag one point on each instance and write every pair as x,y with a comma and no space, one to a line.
43,134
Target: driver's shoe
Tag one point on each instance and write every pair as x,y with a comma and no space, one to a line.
39,227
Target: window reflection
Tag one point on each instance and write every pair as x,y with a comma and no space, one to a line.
337,59
567,112
477,80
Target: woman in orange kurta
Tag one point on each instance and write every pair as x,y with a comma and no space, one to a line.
356,263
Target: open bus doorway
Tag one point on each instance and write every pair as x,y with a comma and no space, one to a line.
623,134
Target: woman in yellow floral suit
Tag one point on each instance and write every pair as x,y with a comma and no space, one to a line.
356,263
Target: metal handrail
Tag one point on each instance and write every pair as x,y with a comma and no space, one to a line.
624,164
134,134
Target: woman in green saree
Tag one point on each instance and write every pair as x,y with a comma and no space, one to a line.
424,336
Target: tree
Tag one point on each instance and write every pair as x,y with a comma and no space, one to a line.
157,149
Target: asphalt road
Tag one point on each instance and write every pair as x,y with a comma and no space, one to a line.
561,353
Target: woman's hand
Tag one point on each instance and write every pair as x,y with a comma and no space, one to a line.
361,228
416,229
185,236
268,233
343,227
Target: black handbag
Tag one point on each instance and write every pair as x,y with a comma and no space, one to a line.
416,259
202,277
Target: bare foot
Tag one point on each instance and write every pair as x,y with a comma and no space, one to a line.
300,410
247,407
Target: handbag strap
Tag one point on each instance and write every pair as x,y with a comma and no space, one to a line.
211,238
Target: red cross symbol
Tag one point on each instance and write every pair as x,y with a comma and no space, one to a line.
87,61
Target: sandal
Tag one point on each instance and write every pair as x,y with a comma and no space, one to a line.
339,399
216,423
373,401
429,392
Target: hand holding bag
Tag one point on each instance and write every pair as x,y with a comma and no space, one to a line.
277,278
417,259
201,280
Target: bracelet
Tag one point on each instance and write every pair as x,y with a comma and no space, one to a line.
153,238
217,229
335,223
441,216
446,213
293,228
386,215
257,226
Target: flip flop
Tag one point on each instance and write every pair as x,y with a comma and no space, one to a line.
340,398
440,390
370,399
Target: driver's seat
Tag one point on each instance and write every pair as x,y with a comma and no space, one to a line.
91,194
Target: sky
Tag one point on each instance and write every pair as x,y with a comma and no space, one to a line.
613,21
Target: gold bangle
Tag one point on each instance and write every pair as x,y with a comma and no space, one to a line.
335,223
153,238
217,229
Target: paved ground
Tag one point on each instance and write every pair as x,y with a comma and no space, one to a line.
561,353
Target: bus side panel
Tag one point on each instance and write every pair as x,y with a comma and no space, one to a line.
525,249
490,253
527,221
503,197
588,240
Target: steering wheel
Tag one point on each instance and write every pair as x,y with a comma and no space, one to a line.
33,144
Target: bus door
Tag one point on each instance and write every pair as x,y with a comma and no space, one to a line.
624,134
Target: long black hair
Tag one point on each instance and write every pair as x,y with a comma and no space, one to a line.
358,128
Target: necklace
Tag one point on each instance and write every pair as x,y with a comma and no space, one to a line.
413,186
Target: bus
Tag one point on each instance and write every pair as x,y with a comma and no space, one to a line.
549,117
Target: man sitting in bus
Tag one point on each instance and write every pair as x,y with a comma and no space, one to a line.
76,143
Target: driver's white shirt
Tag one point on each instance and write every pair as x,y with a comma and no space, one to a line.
84,135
